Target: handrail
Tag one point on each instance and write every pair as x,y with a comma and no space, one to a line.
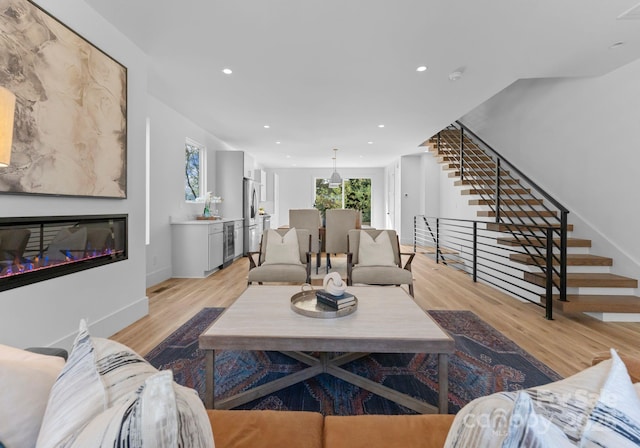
520,173
461,238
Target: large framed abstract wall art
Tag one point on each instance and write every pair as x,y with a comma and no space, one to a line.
70,124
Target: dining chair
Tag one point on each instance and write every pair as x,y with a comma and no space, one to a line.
283,257
338,224
374,258
308,219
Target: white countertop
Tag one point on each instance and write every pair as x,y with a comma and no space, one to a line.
202,221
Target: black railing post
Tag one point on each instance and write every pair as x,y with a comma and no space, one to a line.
563,256
475,251
437,240
461,154
497,195
549,269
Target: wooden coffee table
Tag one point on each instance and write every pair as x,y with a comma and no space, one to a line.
387,321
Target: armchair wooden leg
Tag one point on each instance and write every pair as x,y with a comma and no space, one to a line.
411,289
328,262
318,258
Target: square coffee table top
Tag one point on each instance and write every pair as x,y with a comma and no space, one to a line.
387,321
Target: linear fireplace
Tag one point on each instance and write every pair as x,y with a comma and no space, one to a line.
40,248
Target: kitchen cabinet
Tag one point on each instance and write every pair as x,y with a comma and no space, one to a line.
197,247
261,178
238,236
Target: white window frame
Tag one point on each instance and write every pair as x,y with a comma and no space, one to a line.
202,156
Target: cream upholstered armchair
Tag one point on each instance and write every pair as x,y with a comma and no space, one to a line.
338,224
285,256
309,219
374,258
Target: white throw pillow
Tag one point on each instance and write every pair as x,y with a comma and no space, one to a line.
527,429
101,380
615,419
378,252
282,249
160,414
26,379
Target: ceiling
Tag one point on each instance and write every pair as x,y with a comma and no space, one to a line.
324,74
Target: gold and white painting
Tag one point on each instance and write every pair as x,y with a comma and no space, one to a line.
70,125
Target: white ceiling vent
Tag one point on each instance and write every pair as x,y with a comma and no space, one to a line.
632,13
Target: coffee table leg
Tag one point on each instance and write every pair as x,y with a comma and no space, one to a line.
443,383
210,360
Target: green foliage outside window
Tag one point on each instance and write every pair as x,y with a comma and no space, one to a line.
192,173
356,192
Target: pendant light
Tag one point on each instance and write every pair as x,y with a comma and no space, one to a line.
7,107
336,179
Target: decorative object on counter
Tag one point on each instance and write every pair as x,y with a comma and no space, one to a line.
261,211
206,214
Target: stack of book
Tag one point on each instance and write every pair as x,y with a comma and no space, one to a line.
335,302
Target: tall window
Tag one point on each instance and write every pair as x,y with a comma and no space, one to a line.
195,182
353,193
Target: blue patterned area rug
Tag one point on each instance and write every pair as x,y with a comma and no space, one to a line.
484,362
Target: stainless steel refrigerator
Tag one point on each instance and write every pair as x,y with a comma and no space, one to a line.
250,215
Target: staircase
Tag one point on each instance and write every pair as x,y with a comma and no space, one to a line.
582,282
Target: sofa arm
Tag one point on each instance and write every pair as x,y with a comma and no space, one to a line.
632,363
383,431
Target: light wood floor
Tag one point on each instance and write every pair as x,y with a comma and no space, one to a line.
566,344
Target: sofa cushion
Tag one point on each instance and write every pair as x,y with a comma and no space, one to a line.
26,379
266,429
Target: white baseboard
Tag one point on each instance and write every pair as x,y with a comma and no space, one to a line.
109,324
615,317
158,276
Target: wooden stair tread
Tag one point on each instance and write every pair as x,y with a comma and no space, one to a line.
484,181
584,279
506,201
505,191
572,260
596,303
475,172
507,227
517,213
571,242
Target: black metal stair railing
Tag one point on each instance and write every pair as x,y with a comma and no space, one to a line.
518,205
471,247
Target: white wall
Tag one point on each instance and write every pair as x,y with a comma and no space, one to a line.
578,139
297,189
113,296
169,131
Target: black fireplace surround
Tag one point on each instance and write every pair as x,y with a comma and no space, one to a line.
33,249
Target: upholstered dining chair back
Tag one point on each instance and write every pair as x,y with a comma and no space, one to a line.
308,219
338,224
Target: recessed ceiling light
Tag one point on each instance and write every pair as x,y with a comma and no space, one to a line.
266,126
380,125
371,143
277,143
422,68
616,45
288,156
227,71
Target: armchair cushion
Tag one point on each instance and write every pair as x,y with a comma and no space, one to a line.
381,275
282,249
375,251
278,273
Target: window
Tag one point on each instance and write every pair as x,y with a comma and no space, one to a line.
353,193
195,182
